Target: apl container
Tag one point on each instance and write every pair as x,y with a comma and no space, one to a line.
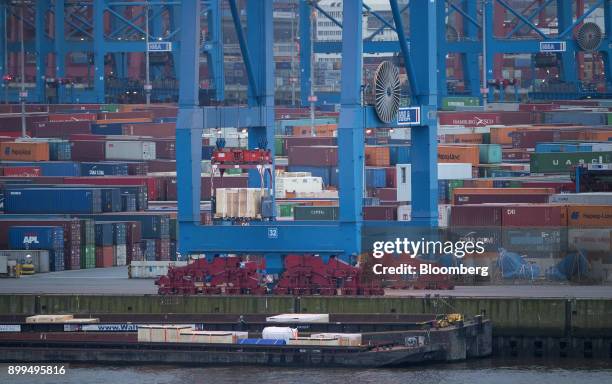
40,238
53,200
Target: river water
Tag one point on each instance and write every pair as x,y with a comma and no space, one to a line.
485,371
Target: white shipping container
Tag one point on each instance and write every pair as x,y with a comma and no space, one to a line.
331,342
299,318
48,319
304,184
40,258
121,252
279,333
239,202
446,171
211,337
161,333
590,239
404,213
3,265
345,339
130,150
151,269
590,198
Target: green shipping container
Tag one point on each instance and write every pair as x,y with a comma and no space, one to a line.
88,256
173,229
233,171
490,153
452,102
452,184
610,118
561,162
109,108
315,213
286,209
279,146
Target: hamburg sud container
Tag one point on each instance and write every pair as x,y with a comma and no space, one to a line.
53,200
45,238
130,150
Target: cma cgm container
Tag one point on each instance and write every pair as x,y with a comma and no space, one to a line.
534,215
562,162
53,200
37,151
40,238
130,150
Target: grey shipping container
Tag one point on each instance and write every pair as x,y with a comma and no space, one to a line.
315,213
40,258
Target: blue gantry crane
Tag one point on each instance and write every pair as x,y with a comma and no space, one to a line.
276,239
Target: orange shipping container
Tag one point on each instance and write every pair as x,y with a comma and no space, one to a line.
458,154
478,183
377,156
589,216
501,135
24,151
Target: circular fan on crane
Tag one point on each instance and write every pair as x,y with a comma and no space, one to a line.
386,91
451,34
589,36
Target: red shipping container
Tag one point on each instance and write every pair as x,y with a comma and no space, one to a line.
391,177
305,141
88,150
476,198
162,249
13,123
470,119
385,194
515,155
138,168
21,171
165,149
476,215
124,115
105,256
228,182
62,130
316,155
69,117
529,139
72,107
537,107
162,165
533,215
153,185
380,212
159,130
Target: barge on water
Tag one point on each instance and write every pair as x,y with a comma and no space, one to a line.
386,341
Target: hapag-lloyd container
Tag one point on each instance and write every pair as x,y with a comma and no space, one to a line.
29,151
130,150
458,154
589,216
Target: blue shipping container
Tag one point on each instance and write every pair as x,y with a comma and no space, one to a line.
40,237
376,178
49,168
399,154
104,169
104,233
262,341
107,129
323,172
60,150
207,151
53,200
